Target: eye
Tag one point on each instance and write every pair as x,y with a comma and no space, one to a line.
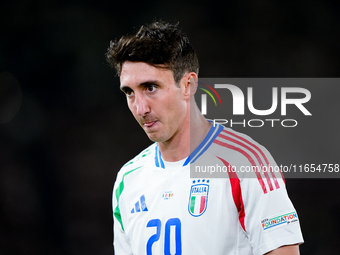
151,88
128,92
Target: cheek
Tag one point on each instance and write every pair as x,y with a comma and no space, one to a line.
176,113
132,109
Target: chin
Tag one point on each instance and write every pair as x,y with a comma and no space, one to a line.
153,137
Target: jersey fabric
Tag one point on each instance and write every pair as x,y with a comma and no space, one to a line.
159,209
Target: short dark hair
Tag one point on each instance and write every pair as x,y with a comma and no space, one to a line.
159,44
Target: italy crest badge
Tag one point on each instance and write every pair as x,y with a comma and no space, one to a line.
198,199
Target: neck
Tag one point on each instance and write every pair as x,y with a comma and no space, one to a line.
180,146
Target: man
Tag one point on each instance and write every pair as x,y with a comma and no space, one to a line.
158,208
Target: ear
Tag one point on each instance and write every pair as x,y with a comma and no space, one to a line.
190,84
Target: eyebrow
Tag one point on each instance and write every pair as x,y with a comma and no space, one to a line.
150,82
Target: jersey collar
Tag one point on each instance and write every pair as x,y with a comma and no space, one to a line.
214,131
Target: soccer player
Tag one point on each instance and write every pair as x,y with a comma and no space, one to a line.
157,207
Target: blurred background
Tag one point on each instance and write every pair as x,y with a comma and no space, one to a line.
65,129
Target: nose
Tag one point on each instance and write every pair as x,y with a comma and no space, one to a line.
142,105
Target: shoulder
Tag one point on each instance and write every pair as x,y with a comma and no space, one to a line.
239,151
251,161
138,161
240,143
229,135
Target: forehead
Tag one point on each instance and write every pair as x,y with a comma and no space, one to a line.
136,73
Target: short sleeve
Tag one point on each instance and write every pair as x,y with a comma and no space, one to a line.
269,218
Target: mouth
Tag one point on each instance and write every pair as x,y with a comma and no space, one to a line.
150,124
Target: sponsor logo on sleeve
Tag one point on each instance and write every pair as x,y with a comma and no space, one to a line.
279,221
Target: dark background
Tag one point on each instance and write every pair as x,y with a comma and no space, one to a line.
60,151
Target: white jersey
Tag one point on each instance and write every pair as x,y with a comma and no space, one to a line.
159,209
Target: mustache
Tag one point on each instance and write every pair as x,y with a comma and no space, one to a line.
147,119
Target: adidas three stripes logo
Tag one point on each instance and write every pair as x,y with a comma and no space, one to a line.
140,205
